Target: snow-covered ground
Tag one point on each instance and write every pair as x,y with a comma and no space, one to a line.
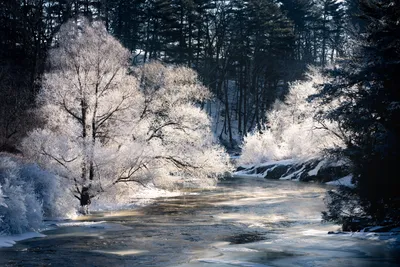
10,240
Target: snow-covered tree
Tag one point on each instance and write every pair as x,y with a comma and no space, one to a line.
105,123
291,130
173,126
27,194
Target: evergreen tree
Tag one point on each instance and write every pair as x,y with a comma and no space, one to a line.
126,22
301,13
367,88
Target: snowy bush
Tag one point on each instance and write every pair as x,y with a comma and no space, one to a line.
27,193
291,130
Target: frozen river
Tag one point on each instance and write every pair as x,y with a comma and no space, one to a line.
251,223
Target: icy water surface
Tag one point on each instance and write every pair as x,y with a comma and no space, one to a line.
250,223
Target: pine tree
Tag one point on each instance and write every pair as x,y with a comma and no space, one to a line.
367,88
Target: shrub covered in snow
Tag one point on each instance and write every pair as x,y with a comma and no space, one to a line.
27,193
291,131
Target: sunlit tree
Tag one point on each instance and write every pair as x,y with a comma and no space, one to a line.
106,124
291,130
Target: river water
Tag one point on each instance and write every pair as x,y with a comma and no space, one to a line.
242,222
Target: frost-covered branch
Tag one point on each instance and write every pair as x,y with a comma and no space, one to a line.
106,127
294,128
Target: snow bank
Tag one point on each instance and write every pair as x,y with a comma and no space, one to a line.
315,169
10,240
27,194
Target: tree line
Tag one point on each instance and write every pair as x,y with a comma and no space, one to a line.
246,52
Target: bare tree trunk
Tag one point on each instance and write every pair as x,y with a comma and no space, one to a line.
227,113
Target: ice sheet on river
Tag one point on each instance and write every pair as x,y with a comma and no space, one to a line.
242,222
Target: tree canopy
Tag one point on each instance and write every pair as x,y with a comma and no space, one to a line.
105,123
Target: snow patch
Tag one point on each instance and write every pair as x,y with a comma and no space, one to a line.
345,181
249,171
284,162
10,240
289,177
315,171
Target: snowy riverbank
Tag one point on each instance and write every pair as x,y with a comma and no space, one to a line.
142,197
315,169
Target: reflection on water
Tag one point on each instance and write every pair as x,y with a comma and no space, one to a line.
242,222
